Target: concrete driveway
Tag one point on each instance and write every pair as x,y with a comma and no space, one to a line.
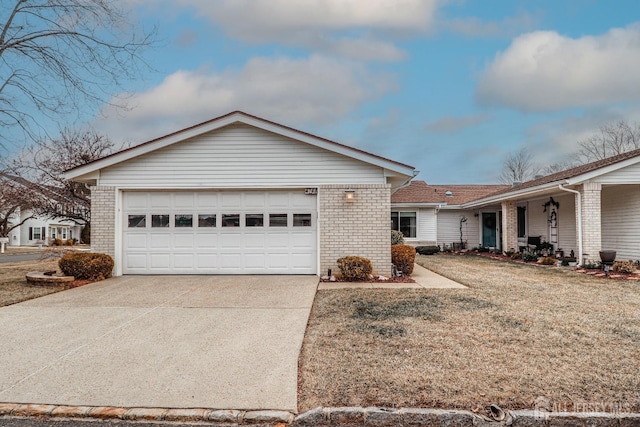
164,341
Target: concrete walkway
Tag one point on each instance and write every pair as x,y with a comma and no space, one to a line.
424,279
161,341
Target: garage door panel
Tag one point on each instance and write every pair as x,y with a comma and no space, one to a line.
183,241
159,241
206,247
183,261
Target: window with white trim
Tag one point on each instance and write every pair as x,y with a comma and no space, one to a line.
404,222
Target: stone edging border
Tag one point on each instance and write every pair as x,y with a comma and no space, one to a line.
330,416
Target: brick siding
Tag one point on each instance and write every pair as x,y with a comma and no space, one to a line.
591,219
509,225
359,227
103,220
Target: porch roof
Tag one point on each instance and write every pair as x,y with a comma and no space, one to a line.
419,192
571,176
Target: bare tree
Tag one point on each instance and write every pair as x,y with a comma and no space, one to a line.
44,164
58,57
613,139
518,166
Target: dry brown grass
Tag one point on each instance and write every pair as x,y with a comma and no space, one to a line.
519,332
14,287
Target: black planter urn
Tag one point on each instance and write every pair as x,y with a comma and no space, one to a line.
607,257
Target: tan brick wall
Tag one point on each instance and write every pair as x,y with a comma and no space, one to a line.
361,227
509,225
103,220
591,219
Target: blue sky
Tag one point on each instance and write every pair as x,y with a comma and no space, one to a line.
449,87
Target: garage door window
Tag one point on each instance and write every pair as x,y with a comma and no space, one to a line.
137,221
277,220
231,220
254,220
207,220
302,220
159,221
184,220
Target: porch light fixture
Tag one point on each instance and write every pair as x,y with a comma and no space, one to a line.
349,195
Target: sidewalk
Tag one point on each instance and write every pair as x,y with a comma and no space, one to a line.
424,279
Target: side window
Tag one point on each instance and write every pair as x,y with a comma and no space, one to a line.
207,220
302,220
137,221
159,221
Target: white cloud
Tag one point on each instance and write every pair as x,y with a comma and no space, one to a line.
301,92
544,70
348,28
475,27
451,124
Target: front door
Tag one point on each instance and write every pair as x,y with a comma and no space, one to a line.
489,220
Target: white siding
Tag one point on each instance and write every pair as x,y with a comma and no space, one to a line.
427,225
628,175
537,219
620,221
567,224
449,227
240,156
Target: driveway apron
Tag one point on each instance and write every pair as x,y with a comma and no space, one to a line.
159,341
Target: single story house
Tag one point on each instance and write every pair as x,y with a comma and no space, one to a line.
241,195
585,209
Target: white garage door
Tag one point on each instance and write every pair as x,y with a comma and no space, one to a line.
223,232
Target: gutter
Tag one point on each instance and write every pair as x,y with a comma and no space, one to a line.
579,219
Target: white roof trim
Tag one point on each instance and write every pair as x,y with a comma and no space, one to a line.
238,117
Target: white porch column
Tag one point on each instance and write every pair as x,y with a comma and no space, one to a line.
509,225
591,219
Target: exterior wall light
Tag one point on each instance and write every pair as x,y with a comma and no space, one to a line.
349,195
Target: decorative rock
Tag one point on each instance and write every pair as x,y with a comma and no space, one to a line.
267,417
107,412
381,417
71,411
420,417
8,408
224,416
346,415
332,279
314,417
33,410
383,278
325,278
147,414
185,415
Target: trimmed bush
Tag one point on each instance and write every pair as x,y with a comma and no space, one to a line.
627,267
56,242
403,257
427,250
355,268
69,242
397,238
86,265
529,257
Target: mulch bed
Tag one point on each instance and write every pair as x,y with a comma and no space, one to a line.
399,279
590,271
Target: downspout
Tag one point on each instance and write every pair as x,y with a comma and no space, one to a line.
579,219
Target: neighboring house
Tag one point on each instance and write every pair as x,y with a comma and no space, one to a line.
35,229
41,230
432,214
241,195
584,209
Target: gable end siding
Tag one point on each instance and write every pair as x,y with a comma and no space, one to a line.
240,156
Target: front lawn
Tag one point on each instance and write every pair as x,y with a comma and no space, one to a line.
519,332
14,287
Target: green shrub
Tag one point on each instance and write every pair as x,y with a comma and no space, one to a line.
397,238
427,250
86,266
627,267
529,257
403,257
548,261
355,268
